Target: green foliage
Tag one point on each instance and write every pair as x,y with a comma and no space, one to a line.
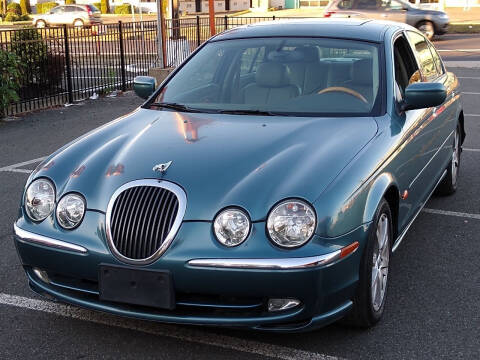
45,7
14,8
12,17
125,9
10,73
45,69
104,7
25,7
70,2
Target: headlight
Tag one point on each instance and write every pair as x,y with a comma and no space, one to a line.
291,223
231,227
39,199
70,211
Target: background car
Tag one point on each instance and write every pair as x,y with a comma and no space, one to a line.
265,184
430,22
76,15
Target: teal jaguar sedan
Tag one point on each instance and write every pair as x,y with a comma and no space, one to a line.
266,183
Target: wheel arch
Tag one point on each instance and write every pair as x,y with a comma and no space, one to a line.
386,187
461,120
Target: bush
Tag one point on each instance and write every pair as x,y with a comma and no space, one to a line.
45,69
104,7
70,2
14,8
45,7
25,7
12,17
125,9
10,73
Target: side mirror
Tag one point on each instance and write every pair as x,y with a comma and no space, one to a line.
144,86
424,95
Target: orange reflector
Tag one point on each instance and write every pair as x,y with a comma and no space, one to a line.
347,250
405,195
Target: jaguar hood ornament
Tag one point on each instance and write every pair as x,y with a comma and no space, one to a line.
162,168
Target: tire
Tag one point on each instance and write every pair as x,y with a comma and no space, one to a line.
40,24
427,28
78,23
371,293
449,183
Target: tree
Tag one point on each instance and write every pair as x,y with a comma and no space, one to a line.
25,6
105,7
3,7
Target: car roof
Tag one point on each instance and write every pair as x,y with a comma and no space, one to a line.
366,30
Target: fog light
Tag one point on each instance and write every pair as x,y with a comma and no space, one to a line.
282,304
42,275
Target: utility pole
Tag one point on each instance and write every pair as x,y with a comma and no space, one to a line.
211,14
161,34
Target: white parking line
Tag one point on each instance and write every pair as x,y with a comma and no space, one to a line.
452,213
468,77
472,115
463,64
470,93
13,168
459,50
171,331
469,149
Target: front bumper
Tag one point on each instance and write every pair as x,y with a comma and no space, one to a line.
205,293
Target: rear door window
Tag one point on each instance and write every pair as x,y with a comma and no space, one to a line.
424,56
437,60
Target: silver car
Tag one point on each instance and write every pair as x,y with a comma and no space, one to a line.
430,22
76,15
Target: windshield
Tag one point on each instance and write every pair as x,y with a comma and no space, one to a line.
288,76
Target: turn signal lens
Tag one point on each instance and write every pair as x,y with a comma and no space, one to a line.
347,250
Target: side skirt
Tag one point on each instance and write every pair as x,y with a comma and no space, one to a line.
404,232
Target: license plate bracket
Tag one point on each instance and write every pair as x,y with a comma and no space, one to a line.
136,286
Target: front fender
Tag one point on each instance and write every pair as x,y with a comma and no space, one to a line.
377,191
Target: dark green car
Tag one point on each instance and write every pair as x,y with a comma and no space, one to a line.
264,184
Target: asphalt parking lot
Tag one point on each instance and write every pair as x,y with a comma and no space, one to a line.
433,306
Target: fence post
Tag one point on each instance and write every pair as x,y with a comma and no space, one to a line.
226,22
198,30
122,56
67,62
273,17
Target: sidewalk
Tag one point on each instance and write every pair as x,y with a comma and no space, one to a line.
457,15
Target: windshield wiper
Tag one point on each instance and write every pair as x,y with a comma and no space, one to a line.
176,106
249,112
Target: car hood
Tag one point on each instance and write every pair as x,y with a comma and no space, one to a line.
219,160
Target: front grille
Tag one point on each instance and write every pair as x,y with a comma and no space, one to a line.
141,219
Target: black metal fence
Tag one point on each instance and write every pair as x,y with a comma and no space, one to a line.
64,64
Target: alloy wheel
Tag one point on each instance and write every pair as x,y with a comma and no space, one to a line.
455,158
381,258
427,30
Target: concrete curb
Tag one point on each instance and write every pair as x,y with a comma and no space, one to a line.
464,28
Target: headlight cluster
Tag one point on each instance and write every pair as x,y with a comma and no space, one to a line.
290,224
70,211
231,227
40,199
40,203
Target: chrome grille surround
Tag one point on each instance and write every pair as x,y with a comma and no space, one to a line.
182,205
